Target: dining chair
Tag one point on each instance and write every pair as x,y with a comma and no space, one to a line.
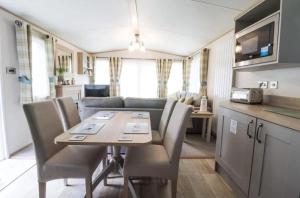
158,136
69,111
58,161
159,161
71,118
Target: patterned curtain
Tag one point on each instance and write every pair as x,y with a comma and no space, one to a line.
115,68
64,62
23,38
203,71
186,68
93,69
163,68
50,64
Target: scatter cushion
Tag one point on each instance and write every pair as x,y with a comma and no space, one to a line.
188,100
181,100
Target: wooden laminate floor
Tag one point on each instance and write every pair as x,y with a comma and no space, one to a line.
197,179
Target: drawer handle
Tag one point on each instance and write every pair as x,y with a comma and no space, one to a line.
258,132
248,127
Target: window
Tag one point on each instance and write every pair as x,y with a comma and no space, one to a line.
175,78
195,74
102,71
40,80
138,78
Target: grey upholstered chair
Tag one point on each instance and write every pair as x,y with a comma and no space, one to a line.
71,118
58,161
158,136
159,161
69,111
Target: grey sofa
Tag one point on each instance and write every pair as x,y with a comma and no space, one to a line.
91,105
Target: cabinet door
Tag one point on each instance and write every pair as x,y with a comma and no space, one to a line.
275,172
235,144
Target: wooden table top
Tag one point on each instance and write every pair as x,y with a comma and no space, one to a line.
110,133
201,114
259,112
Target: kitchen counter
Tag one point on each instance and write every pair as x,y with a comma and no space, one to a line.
259,112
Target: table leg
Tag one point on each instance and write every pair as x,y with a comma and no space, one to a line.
203,127
209,129
117,158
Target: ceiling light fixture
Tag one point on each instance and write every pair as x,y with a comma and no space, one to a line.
137,44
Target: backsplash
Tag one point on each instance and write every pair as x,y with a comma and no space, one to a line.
288,81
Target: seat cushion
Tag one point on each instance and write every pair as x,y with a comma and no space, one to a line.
148,161
156,137
73,162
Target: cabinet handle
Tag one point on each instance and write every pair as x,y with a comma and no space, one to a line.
258,132
248,127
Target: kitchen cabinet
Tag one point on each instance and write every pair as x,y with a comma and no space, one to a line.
275,171
261,158
235,143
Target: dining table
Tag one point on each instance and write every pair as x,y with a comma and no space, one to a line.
115,131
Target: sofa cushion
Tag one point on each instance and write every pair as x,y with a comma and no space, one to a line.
105,102
152,103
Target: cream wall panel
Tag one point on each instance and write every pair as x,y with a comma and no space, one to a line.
288,81
221,60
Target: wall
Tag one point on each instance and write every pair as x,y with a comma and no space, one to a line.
220,71
16,128
288,81
2,134
148,54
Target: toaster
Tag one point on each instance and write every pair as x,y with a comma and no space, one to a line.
247,95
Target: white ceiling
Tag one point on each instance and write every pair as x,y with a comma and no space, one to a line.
174,26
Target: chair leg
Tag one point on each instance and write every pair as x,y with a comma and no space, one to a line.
42,189
125,188
88,188
66,182
105,163
174,187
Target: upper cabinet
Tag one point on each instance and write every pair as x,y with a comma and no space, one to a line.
267,35
84,63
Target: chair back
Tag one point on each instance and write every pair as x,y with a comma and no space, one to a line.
176,130
45,124
69,112
166,114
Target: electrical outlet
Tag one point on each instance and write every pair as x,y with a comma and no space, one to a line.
273,84
262,84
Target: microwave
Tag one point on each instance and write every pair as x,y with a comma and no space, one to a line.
258,43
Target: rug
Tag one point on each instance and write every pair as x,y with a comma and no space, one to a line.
194,147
